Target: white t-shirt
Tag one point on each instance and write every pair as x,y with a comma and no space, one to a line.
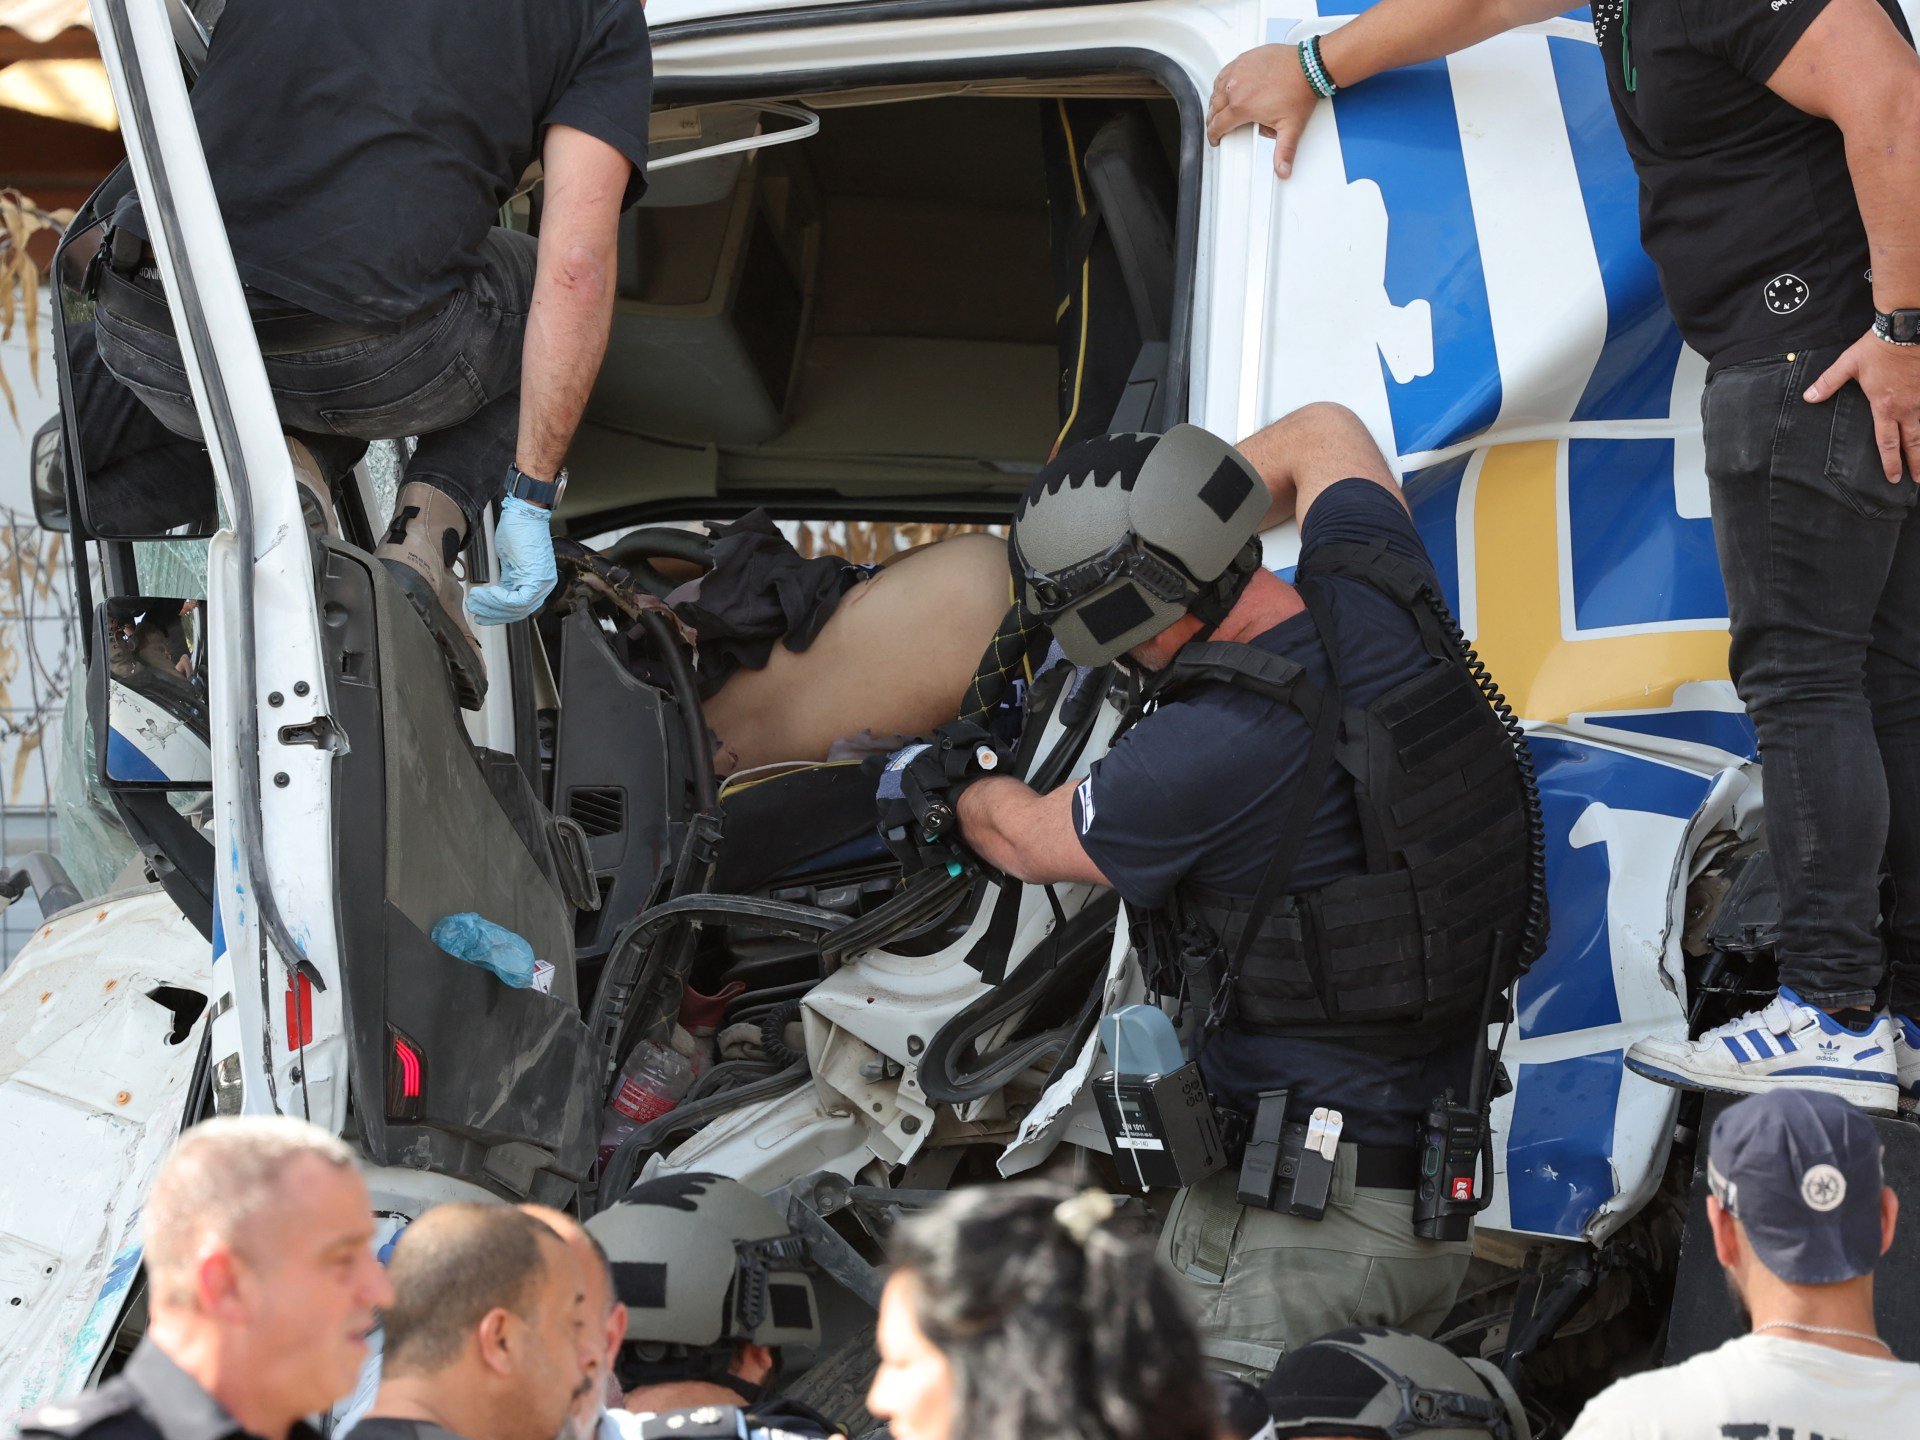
1760,1387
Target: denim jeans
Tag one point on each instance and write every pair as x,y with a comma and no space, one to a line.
1822,563
452,378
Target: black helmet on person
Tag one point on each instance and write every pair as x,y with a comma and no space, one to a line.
1382,1384
704,1265
1120,535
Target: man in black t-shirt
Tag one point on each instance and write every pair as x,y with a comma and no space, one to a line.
361,152
1777,144
1193,804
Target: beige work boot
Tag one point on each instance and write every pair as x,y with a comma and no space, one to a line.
419,550
316,499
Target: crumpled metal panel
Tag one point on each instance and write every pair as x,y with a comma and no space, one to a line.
92,1088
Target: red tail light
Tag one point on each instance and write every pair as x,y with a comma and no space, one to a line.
299,1012
406,1078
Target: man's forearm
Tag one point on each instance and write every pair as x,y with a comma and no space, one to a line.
1394,33
567,327
1883,160
1311,447
1025,834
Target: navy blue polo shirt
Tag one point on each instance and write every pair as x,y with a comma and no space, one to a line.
1201,787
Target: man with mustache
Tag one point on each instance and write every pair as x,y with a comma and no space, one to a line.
262,1287
487,1333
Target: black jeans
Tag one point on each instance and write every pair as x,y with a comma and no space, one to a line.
1822,564
451,378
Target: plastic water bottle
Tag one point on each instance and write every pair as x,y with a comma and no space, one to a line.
649,1085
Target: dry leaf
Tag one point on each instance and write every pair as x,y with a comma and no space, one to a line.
20,221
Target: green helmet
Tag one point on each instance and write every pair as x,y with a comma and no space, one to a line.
1119,536
701,1262
1391,1384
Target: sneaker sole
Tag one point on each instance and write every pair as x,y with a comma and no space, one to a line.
463,666
1881,1097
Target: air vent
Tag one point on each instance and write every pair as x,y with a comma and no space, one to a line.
598,809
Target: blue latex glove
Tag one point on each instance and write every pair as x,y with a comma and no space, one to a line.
527,576
478,941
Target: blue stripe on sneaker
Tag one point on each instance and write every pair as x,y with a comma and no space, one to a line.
1733,1048
1759,1043
1839,1072
1785,1042
1869,1054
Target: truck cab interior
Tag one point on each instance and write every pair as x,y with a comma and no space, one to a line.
896,319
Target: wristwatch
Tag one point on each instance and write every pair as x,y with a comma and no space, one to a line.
1897,327
546,493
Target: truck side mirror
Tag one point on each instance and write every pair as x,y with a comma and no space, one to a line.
49,480
147,699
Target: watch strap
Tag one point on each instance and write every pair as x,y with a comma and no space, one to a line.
523,486
1897,327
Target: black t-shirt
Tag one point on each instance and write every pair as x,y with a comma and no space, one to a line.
361,149
1200,788
1746,204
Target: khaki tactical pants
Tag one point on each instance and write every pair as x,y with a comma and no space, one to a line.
1262,1283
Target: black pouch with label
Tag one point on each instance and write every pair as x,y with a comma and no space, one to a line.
1161,1127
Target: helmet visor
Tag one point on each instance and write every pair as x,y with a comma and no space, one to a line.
1050,595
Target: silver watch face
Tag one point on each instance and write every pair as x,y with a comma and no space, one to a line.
559,487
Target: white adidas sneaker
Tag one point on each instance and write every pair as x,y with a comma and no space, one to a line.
1787,1042
1906,1061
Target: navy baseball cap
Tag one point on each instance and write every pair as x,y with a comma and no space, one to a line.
1800,1171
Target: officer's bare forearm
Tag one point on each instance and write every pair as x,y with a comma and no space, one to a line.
1299,455
1025,834
572,307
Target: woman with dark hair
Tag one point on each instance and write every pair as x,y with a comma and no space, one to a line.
1017,1312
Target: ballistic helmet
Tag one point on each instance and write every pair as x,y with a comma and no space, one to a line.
1119,536
1391,1384
703,1262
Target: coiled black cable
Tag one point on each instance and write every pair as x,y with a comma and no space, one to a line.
773,1034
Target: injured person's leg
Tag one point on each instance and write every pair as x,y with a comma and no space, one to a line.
893,659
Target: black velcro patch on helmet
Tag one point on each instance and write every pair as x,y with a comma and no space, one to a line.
1111,616
791,1310
641,1284
1226,490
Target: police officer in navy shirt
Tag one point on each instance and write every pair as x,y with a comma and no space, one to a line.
1776,143
1146,547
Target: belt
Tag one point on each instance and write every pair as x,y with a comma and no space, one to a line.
1385,1167
282,334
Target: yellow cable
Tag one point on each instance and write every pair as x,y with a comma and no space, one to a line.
1086,283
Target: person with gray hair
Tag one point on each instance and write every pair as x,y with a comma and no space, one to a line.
486,1333
262,1289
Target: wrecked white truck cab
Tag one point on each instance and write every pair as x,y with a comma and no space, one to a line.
969,228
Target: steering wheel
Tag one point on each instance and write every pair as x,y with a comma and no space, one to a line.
636,551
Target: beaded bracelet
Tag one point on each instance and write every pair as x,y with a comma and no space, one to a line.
1315,69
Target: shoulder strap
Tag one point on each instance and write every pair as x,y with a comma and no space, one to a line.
1230,662
1403,581
1325,717
1393,575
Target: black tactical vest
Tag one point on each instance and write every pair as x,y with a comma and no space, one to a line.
1455,880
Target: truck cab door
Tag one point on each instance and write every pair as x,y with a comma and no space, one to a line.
352,809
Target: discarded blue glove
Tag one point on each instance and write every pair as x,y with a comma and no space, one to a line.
478,941
527,575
